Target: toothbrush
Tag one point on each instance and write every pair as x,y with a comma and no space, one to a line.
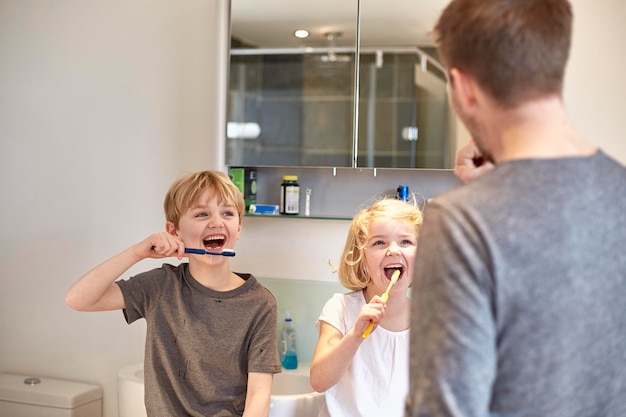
225,252
385,296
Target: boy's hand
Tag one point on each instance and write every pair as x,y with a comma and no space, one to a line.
161,245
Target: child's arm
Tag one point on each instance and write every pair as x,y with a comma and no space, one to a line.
334,351
258,395
96,290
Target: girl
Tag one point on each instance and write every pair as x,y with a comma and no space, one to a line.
368,376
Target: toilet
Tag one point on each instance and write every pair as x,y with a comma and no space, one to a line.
27,396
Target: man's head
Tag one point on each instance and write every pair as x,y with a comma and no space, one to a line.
516,50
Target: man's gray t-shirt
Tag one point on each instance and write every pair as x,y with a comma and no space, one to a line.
200,343
519,297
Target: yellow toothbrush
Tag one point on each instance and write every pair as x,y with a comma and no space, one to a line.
385,296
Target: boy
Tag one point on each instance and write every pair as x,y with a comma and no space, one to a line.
211,333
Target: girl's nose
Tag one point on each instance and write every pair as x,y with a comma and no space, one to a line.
393,250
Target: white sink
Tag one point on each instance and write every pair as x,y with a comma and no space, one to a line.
292,394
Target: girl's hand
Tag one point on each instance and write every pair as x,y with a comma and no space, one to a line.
373,311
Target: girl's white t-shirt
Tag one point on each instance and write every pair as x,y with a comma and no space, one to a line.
377,380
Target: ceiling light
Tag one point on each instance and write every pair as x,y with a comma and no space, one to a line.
301,33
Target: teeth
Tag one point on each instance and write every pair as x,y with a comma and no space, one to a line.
214,241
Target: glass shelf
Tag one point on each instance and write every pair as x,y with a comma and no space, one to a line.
299,216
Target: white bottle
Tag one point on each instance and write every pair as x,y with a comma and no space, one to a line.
289,357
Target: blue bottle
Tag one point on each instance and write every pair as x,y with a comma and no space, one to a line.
402,193
288,344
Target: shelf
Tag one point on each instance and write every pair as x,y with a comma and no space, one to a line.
300,216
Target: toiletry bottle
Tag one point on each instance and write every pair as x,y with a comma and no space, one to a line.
402,193
290,195
288,344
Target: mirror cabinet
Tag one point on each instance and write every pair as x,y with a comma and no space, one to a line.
364,89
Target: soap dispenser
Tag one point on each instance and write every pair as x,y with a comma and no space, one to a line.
288,344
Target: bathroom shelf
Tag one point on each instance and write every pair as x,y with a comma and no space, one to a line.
284,216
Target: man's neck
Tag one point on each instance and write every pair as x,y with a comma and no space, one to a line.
539,129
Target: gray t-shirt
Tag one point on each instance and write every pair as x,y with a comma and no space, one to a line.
200,343
519,297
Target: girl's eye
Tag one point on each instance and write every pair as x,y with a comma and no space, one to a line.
407,242
378,243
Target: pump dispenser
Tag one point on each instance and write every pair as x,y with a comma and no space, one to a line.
288,344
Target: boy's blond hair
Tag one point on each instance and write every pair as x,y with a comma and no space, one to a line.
352,270
185,191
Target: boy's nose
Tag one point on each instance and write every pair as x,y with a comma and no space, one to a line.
215,221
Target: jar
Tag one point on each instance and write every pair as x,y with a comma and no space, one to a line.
290,195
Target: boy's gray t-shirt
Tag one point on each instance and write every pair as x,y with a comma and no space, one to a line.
519,297
200,343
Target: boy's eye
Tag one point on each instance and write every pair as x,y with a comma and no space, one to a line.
202,214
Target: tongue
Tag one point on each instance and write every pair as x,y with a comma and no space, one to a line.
213,245
389,272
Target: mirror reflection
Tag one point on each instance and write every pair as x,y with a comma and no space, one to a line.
291,100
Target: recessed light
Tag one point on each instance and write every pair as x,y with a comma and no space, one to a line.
301,33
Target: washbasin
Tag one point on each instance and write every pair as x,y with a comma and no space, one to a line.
292,394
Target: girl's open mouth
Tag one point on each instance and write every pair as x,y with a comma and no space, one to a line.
390,270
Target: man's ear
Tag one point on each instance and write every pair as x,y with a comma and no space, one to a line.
464,87
171,228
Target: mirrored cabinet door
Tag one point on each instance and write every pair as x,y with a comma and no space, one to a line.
291,100
404,117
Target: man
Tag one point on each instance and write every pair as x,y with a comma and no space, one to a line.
519,296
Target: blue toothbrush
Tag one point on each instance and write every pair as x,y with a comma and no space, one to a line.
225,252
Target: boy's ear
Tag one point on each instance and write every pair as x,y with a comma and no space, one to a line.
170,228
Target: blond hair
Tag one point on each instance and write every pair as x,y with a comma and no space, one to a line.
184,192
352,270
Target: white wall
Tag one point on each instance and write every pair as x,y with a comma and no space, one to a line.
595,85
102,104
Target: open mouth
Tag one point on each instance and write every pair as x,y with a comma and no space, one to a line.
214,243
391,269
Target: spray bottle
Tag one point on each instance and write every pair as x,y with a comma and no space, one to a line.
288,344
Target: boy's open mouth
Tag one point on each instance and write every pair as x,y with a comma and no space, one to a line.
390,270
214,242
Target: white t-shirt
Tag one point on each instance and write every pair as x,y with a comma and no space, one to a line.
377,380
